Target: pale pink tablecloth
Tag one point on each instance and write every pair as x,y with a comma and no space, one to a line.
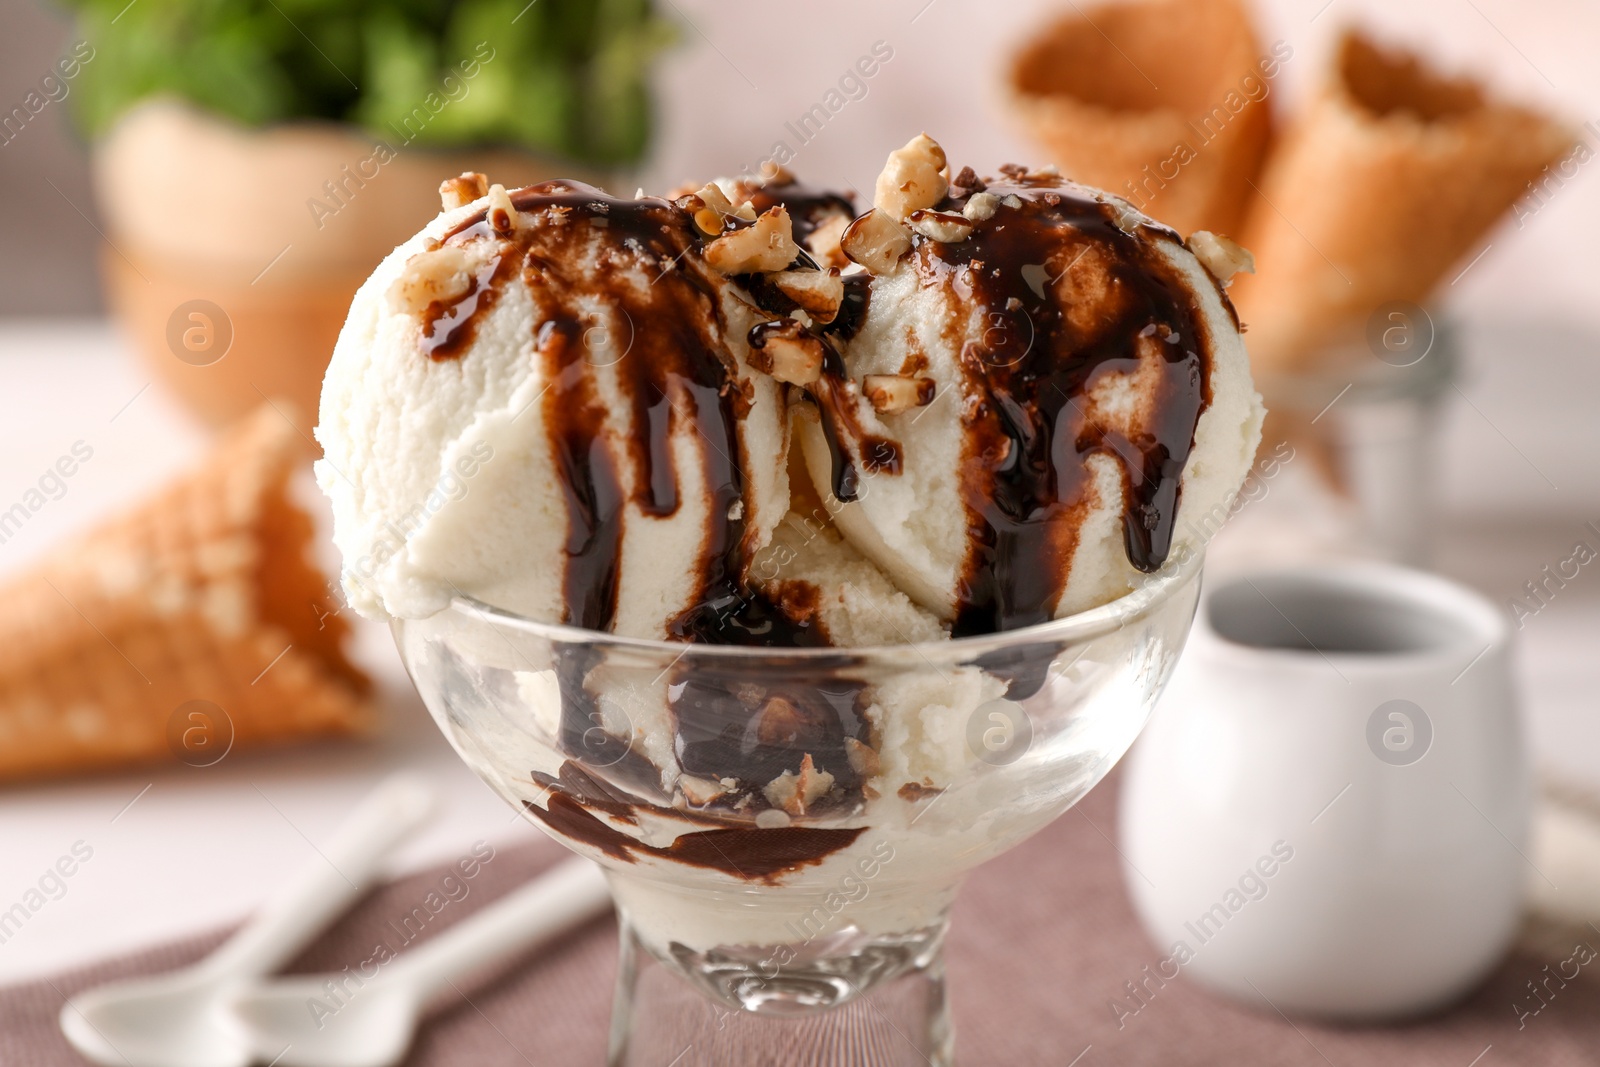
1043,941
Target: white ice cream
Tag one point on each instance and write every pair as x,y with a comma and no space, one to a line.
580,409
926,321
444,473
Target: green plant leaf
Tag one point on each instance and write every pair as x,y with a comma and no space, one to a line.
568,78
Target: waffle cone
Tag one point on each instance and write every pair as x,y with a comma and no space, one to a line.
186,627
1381,185
1100,91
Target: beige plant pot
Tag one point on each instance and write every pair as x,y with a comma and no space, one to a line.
233,253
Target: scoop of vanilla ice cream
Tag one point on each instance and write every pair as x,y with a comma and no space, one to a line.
545,402
1042,379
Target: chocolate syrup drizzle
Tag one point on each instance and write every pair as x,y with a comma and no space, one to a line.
676,373
1025,476
449,327
808,207
1026,482
754,854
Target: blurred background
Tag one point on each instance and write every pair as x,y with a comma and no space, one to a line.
189,193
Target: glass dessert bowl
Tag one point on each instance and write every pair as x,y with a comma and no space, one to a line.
785,830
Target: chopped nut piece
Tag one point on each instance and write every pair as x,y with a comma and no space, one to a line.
1011,200
502,212
441,275
1221,255
890,394
875,241
913,178
459,192
981,206
700,791
712,209
1013,170
967,182
785,351
817,292
773,174
766,246
863,758
825,242
795,793
941,226
771,819
782,722
915,792
1126,217
1048,171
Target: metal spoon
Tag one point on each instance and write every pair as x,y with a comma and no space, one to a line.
369,1022
178,1019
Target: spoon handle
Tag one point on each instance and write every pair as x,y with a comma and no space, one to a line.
342,871
549,905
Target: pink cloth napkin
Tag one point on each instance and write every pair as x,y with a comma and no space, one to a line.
1042,945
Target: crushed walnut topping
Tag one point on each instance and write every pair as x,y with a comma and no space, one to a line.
980,206
875,241
863,758
766,246
825,241
941,226
787,352
712,209
774,174
817,292
966,182
1221,255
795,793
891,394
701,791
463,190
441,275
502,212
913,178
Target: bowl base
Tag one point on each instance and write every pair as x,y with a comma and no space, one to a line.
849,999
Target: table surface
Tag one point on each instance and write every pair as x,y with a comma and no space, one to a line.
179,850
